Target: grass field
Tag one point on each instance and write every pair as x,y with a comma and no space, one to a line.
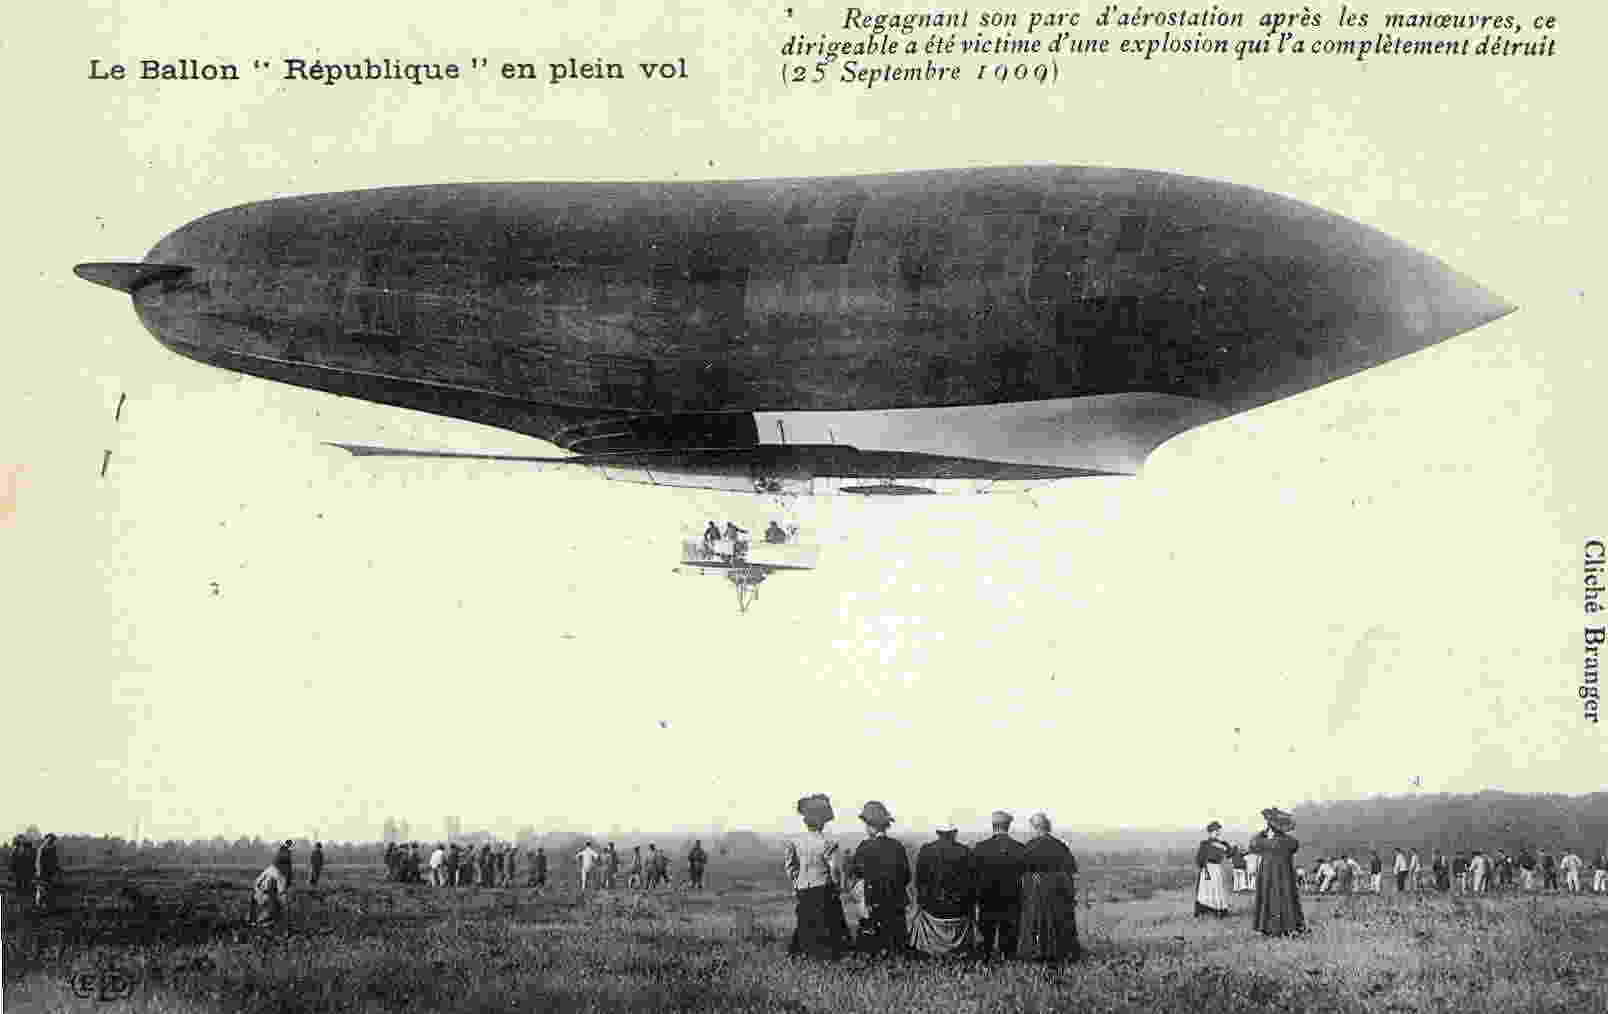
359,944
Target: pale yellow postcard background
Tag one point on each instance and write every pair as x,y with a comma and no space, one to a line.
238,630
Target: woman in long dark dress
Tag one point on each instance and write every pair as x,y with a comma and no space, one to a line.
1278,897
1049,923
815,868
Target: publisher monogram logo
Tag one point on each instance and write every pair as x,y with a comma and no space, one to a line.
103,984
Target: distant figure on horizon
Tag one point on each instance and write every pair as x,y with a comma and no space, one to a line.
283,855
1570,865
998,860
1527,868
1213,867
1442,871
697,859
47,872
585,860
1549,870
636,878
1599,872
1376,873
23,858
1478,868
1250,863
814,868
1278,903
1414,870
611,866
438,866
538,869
511,875
315,864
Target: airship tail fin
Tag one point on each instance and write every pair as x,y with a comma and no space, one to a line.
126,277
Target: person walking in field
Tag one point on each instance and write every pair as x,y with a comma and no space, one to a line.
662,861
814,868
1278,903
697,859
882,868
1442,871
1570,865
1599,872
635,879
1527,868
998,864
315,864
512,879
611,866
1376,873
1549,870
1477,867
1414,871
1212,870
270,894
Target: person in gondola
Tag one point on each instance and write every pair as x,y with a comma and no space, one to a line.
814,867
1049,927
1278,902
882,867
1213,865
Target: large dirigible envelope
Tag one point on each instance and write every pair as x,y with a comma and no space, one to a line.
900,334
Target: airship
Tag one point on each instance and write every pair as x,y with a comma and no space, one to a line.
965,330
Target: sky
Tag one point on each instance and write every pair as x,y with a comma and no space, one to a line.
238,630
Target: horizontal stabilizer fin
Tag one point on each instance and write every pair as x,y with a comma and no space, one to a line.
366,451
126,277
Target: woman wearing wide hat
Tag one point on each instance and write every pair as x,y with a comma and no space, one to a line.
882,868
815,869
1278,898
1214,865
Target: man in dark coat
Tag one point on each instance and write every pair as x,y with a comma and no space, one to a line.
538,869
22,866
883,868
315,864
697,859
282,859
1549,870
944,896
997,862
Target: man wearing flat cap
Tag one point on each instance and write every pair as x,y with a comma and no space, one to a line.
881,865
997,861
